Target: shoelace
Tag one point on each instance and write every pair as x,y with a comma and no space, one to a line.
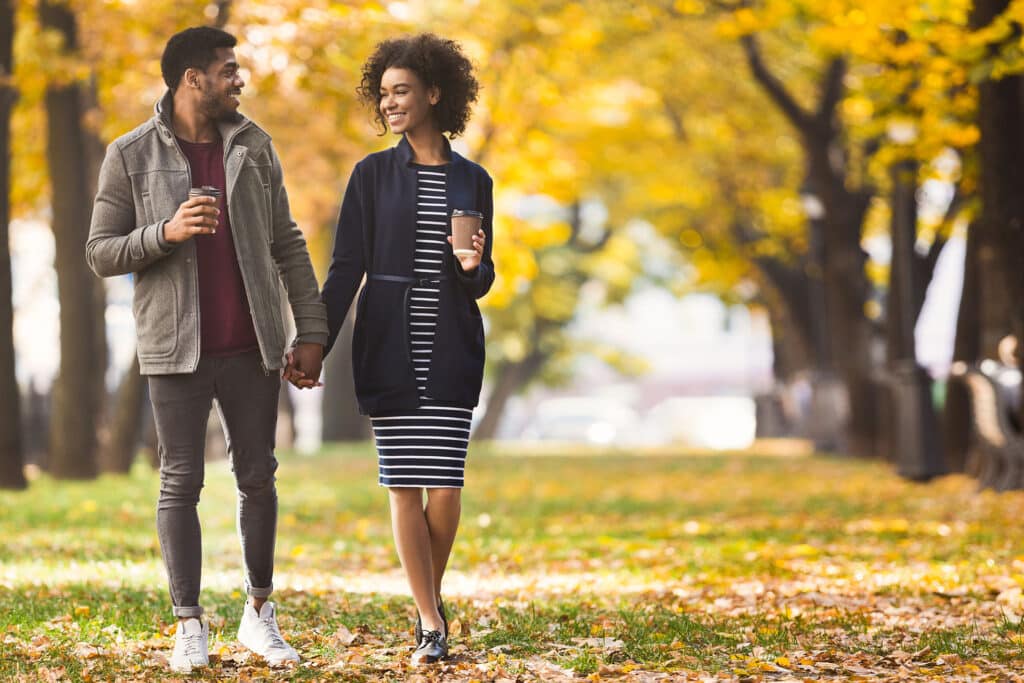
430,637
191,643
276,639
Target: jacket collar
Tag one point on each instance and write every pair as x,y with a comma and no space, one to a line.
404,152
163,114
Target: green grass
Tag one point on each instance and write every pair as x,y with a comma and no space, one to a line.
601,564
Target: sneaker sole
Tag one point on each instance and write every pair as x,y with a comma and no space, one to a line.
271,662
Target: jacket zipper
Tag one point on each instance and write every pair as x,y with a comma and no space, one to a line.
195,263
249,292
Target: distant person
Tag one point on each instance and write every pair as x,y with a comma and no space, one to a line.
1008,376
207,309
418,342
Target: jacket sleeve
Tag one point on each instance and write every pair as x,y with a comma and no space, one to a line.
293,263
347,264
479,282
115,245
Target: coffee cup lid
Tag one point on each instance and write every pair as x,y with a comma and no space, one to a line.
205,190
466,212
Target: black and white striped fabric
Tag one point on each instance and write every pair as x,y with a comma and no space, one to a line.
425,448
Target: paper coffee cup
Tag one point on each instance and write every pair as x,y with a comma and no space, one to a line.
465,224
205,191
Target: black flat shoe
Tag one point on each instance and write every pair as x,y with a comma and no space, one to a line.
419,624
433,648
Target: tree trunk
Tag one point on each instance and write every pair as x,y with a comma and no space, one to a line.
1001,147
286,431
511,378
792,353
791,315
341,420
126,422
35,425
850,334
12,474
793,356
846,292
150,442
78,390
912,428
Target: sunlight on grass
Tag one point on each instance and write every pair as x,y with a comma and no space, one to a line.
589,564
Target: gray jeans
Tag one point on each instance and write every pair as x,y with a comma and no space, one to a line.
247,400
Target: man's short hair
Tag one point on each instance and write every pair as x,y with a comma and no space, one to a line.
193,48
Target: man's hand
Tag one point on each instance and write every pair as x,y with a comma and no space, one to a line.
304,364
469,262
197,216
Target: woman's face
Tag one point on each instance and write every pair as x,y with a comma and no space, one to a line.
405,102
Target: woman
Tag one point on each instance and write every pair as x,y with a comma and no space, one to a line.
418,343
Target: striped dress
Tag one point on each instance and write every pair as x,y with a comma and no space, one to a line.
427,447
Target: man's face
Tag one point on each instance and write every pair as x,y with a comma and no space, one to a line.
220,85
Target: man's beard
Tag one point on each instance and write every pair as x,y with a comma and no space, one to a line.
216,108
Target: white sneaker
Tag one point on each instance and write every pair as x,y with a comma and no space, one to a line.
190,646
260,633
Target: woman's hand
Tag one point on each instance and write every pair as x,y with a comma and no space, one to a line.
304,363
469,262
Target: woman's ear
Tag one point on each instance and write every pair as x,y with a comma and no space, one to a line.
434,95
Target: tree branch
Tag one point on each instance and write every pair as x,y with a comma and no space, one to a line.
676,119
773,86
575,225
220,20
832,90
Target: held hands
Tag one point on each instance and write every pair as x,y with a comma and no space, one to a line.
196,216
305,360
469,262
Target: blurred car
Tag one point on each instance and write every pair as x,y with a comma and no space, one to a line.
713,422
597,421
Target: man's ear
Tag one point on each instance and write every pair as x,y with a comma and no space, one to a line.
191,77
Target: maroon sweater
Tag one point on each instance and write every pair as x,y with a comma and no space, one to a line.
226,325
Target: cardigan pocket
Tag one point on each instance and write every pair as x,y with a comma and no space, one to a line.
457,359
379,346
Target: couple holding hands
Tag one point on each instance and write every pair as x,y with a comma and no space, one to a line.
192,203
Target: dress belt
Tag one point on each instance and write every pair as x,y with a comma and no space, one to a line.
409,283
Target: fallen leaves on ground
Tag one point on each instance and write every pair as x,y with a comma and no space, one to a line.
730,568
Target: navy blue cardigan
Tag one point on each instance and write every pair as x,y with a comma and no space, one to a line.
376,236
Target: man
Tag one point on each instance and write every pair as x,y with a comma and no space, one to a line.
208,272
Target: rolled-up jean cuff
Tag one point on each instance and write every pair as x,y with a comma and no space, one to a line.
186,612
260,592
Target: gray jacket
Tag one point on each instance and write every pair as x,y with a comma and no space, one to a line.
143,180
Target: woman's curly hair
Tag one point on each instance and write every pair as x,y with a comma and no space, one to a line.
437,62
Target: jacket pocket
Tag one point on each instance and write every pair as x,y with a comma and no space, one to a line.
458,357
155,305
269,209
379,346
254,187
